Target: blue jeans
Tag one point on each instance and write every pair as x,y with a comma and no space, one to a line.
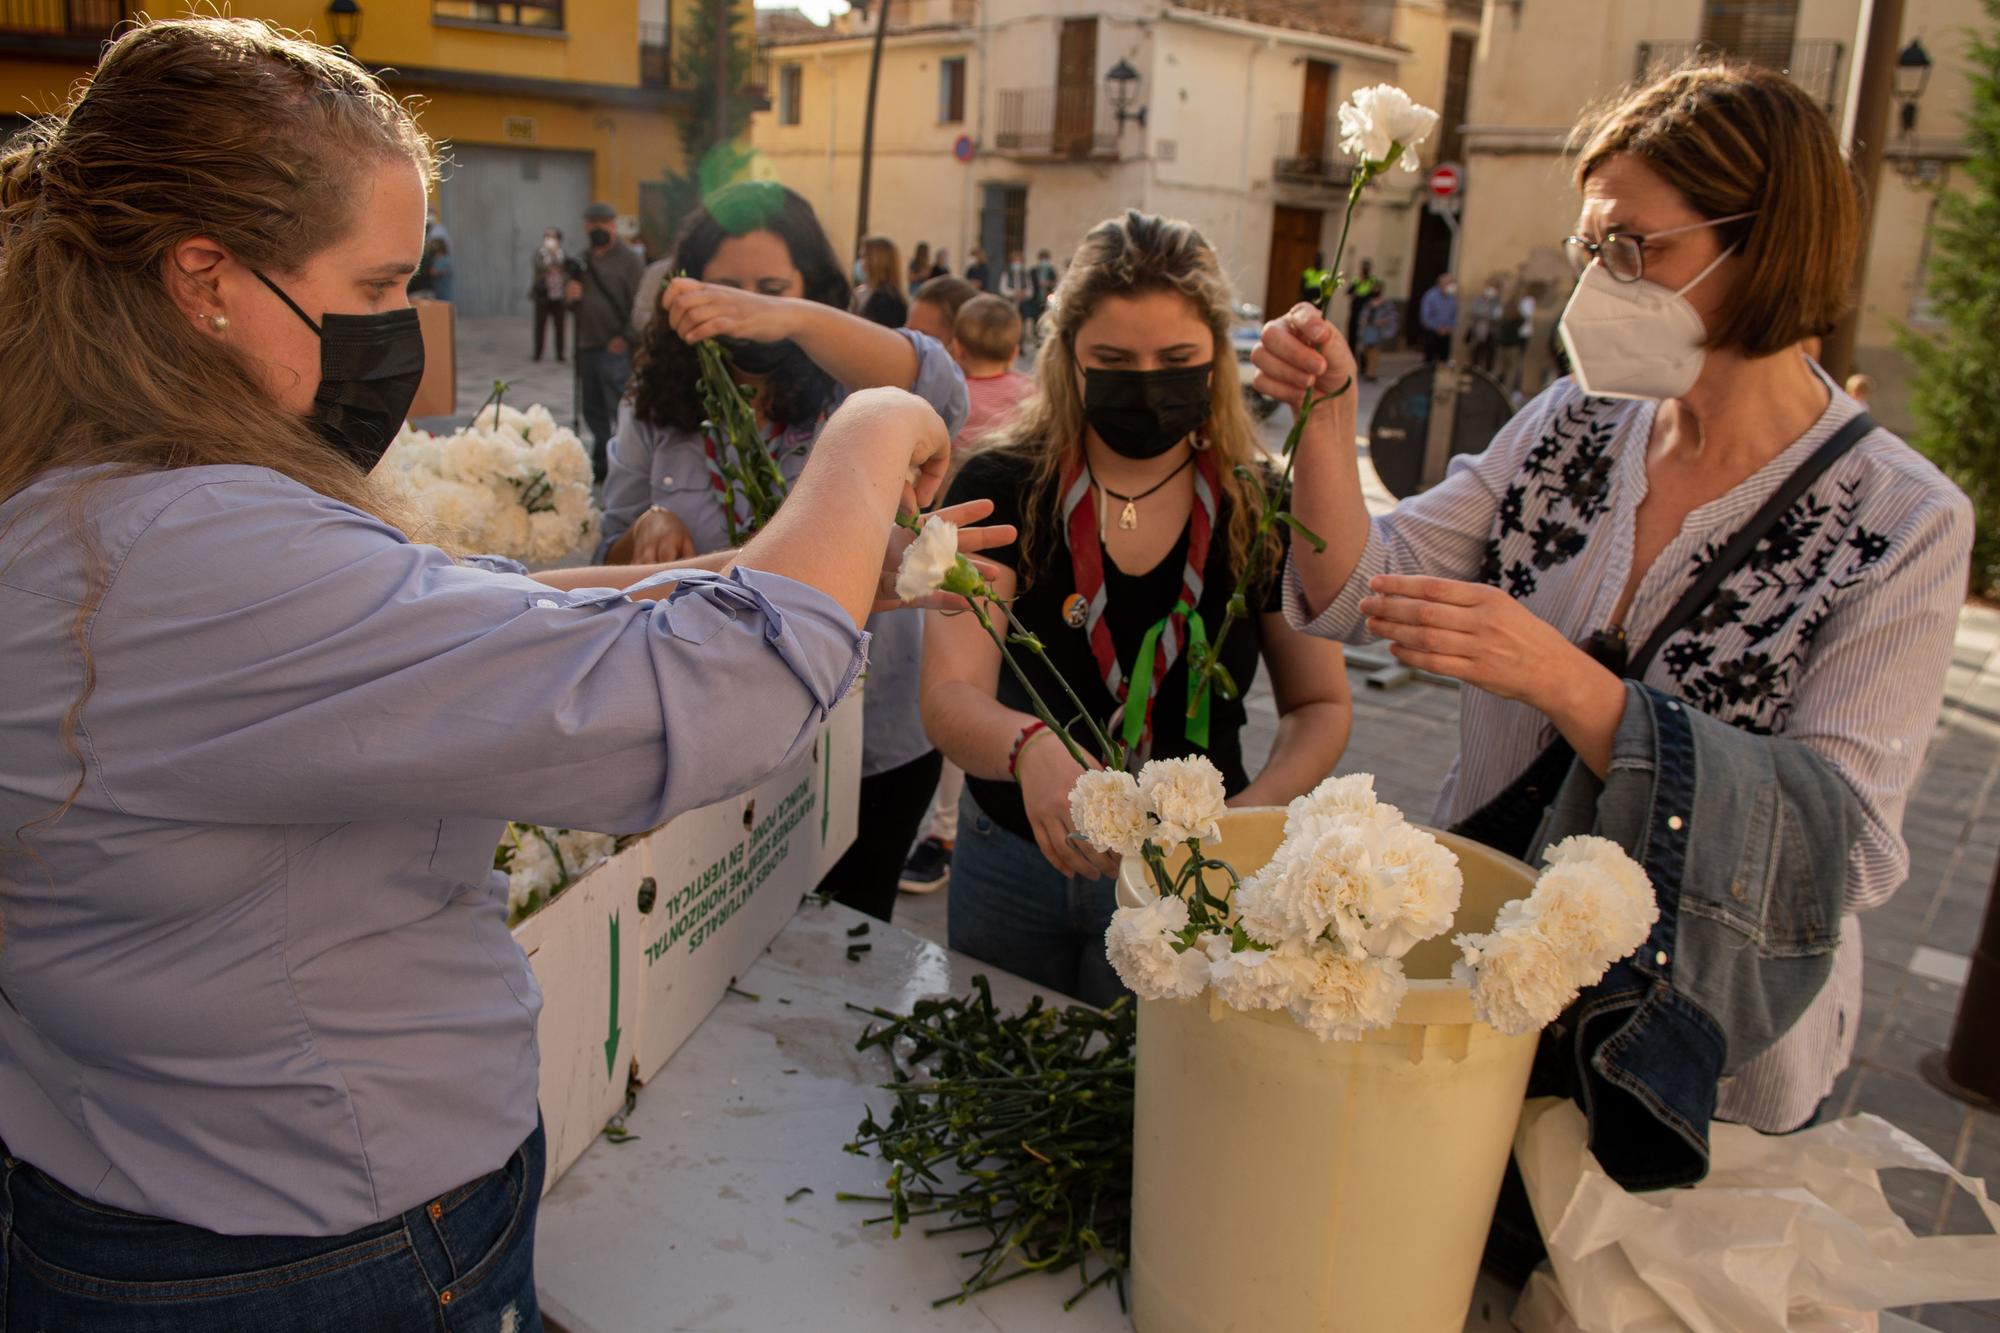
462,1263
604,374
1011,908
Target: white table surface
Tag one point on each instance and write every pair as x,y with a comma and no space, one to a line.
687,1228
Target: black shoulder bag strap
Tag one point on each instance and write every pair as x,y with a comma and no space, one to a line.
1508,822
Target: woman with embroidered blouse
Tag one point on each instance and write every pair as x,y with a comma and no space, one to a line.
1752,741
761,276
1122,475
267,1048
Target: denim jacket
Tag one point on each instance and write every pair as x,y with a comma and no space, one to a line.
1745,838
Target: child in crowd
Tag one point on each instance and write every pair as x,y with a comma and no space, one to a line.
934,307
986,339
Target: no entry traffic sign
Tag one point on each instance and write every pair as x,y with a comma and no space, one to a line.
1446,180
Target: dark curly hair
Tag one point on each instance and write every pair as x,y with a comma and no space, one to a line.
665,371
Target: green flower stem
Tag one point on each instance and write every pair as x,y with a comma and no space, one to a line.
1034,696
742,459
1204,676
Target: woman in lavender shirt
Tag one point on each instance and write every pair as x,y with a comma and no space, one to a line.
267,1050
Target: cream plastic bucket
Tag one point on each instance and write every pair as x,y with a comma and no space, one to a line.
1282,1184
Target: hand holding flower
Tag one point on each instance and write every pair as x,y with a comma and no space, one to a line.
702,310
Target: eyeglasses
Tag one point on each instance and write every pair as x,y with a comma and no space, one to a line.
1623,252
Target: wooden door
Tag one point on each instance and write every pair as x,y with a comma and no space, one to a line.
1076,87
1295,243
1312,111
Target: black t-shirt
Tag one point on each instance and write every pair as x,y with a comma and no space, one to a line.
1134,603
886,308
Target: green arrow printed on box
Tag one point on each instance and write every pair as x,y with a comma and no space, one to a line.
611,1041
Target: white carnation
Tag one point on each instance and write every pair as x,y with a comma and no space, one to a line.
508,418
1186,796
463,510
1260,906
1108,811
563,459
1381,120
1519,983
1345,994
1325,879
477,457
1353,794
929,560
1417,890
541,427
1142,946
550,537
1248,979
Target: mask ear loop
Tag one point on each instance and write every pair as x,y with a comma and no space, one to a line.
279,292
1714,264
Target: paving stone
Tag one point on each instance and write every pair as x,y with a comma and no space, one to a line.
1983,1317
1916,1108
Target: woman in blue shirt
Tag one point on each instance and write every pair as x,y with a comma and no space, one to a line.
763,278
267,1050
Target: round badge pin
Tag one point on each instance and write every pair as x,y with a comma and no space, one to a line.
1075,610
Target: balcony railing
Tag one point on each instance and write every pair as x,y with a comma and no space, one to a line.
1472,10
1054,122
84,20
656,55
1309,153
1814,65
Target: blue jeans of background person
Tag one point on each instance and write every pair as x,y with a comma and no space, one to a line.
462,1263
1011,908
604,373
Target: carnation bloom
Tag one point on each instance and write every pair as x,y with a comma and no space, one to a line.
1141,944
1257,978
1186,796
1520,984
1108,811
1353,794
928,561
1382,121
1346,994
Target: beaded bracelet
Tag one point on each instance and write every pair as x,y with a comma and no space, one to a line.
1021,743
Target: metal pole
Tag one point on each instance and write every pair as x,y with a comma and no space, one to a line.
868,122
1969,1069
723,45
1865,132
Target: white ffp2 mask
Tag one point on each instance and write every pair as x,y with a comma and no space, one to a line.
1634,339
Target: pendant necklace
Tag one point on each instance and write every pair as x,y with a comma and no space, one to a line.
1128,518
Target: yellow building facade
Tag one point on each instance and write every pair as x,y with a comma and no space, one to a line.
1542,65
997,125
544,105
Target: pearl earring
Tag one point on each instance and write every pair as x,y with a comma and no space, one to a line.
220,323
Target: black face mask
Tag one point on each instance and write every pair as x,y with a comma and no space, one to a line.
369,369
755,358
599,236
1144,413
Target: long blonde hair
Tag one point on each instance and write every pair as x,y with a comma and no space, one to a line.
881,267
224,128
1132,256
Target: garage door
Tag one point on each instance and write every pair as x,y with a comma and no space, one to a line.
496,202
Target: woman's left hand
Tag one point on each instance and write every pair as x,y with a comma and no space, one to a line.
1473,632
699,310
970,539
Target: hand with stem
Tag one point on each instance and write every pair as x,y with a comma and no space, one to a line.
1205,669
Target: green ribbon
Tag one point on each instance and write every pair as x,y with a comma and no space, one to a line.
1140,688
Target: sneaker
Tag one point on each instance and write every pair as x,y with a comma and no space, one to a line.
928,868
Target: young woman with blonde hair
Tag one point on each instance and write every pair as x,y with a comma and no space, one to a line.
1121,475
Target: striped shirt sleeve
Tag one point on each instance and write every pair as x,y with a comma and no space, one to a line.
1442,532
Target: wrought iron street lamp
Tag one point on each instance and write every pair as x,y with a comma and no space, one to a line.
1122,82
343,21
